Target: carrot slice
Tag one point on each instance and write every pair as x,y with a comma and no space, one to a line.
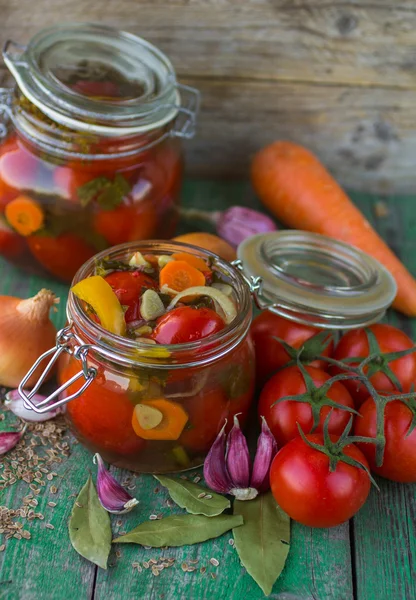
192,260
174,419
179,275
24,215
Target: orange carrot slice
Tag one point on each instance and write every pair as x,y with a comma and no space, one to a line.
192,260
174,419
299,191
179,275
24,215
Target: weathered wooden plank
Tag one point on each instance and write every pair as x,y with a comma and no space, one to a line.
337,42
384,530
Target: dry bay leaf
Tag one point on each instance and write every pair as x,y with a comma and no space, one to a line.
188,495
89,526
262,542
180,530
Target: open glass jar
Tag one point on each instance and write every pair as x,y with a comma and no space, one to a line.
90,146
305,277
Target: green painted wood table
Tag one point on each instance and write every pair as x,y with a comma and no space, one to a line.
372,557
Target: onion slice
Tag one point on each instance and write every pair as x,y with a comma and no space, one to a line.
227,305
15,403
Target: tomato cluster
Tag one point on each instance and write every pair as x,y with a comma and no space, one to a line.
55,216
323,396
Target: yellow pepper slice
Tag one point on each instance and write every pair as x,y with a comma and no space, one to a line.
100,296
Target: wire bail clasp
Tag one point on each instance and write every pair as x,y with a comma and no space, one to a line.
255,285
64,343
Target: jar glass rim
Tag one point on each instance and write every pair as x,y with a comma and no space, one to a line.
177,355
32,69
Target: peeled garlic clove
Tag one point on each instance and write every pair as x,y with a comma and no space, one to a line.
238,458
215,471
9,439
151,306
266,449
163,260
15,403
227,305
138,260
148,416
113,497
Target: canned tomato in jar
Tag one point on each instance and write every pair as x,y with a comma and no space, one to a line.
157,357
90,146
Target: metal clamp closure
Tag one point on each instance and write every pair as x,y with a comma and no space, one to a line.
255,285
64,343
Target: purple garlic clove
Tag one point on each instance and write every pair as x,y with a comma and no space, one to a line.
15,403
238,223
113,497
215,471
10,439
266,450
238,457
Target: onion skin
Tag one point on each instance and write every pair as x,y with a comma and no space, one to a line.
25,333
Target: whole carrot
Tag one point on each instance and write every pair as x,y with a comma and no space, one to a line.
299,191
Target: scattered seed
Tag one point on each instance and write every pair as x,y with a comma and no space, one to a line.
2,547
153,517
197,479
183,477
119,523
155,571
118,553
213,576
49,526
202,495
208,497
79,505
146,565
52,504
194,562
159,516
214,562
54,489
131,487
202,570
156,490
231,542
152,561
184,567
49,476
146,547
190,569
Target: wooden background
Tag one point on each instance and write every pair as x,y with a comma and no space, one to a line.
339,77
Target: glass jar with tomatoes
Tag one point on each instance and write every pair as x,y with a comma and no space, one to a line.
90,146
157,356
161,370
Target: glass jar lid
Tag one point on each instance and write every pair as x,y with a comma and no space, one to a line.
87,76
316,280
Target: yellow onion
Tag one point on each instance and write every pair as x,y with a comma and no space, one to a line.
25,333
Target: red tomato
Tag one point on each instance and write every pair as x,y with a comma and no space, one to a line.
126,223
270,354
399,463
309,493
62,255
283,417
107,89
207,412
12,245
128,286
102,415
390,339
186,324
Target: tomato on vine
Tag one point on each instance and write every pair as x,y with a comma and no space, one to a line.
272,354
399,458
310,399
315,484
388,371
